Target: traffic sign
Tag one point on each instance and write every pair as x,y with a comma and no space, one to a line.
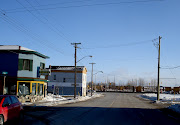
52,86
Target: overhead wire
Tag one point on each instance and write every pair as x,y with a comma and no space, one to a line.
41,15
156,44
23,29
120,45
46,24
89,5
61,3
68,35
47,20
171,67
49,23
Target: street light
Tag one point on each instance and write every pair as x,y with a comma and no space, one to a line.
95,78
83,58
76,72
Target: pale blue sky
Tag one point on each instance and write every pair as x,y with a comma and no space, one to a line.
107,32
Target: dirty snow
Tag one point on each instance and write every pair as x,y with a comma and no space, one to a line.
51,97
163,97
52,100
173,99
27,103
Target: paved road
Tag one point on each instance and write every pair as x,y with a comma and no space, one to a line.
113,108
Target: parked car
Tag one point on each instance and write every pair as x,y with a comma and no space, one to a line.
10,108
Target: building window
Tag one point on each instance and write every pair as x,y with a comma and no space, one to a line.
64,79
24,88
25,64
33,88
42,65
40,89
54,77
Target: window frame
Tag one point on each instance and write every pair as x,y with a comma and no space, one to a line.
64,79
54,77
42,65
25,64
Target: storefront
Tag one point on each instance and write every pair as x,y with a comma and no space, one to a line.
30,88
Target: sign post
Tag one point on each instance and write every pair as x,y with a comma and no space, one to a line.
53,92
4,74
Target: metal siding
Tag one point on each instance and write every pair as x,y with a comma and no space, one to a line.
69,81
66,90
9,63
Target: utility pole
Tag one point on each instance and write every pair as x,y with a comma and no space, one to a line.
92,77
114,83
4,85
75,46
95,82
158,87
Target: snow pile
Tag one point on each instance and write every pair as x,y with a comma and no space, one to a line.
162,97
95,95
53,100
175,108
51,97
27,103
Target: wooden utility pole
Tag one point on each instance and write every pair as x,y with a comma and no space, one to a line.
158,87
75,46
92,77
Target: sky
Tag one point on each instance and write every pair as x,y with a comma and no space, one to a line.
121,35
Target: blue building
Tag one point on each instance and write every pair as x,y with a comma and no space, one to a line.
23,66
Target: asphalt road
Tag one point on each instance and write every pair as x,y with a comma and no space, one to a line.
113,108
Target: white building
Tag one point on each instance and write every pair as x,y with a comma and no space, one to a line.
62,80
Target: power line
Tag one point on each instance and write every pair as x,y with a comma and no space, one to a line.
172,67
157,45
67,34
121,45
23,29
88,5
51,4
51,27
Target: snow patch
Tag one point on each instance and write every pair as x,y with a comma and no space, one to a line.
53,100
162,97
51,97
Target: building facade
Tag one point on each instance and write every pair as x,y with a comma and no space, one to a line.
61,80
22,66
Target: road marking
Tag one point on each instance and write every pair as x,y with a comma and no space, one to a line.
112,103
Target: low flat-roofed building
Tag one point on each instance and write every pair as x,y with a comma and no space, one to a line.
61,80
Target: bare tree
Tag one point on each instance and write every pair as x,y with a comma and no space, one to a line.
135,82
141,82
154,83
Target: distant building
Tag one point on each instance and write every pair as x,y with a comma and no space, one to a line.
61,80
22,66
